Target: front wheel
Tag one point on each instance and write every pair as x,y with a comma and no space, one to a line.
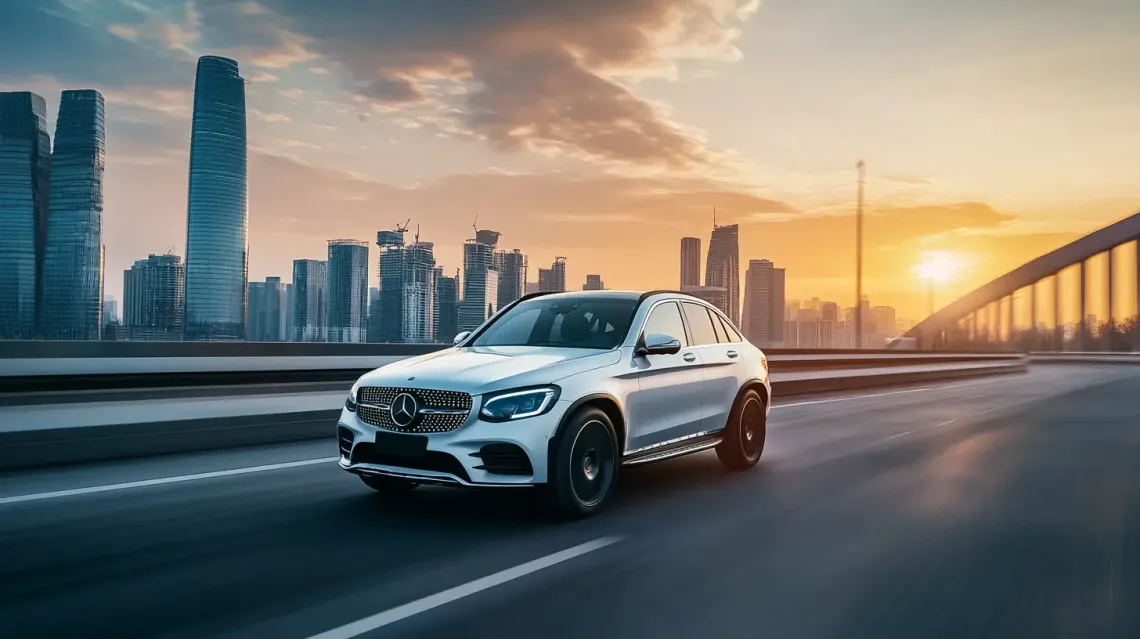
389,486
583,465
745,432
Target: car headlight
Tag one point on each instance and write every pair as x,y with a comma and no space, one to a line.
764,363
350,403
518,404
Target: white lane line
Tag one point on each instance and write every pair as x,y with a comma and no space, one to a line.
949,421
847,399
391,616
163,480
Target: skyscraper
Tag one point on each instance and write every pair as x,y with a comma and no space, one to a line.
110,312
152,299
347,291
594,283
268,311
309,298
480,281
714,295
72,268
764,304
446,307
690,261
24,162
723,266
407,290
553,279
512,276
217,246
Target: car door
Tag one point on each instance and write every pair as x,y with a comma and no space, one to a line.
720,361
669,400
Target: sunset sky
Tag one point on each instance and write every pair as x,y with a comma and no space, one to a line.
605,131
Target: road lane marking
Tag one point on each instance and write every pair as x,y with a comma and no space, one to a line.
949,421
399,613
847,399
163,480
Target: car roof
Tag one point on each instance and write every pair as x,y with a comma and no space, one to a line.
616,294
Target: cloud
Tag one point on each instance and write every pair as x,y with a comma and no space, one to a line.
261,76
268,117
393,90
124,31
541,74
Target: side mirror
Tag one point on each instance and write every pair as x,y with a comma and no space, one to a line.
460,337
659,344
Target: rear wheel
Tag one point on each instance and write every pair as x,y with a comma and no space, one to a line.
583,465
745,432
389,486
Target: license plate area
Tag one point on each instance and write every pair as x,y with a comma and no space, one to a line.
401,445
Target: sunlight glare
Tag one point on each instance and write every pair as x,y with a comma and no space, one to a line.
938,266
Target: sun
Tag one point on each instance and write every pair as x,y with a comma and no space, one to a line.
938,267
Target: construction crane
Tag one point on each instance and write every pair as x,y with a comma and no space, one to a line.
403,228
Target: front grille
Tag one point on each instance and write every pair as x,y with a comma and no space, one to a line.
373,406
504,459
365,453
344,439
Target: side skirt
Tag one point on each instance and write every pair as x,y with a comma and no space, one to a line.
674,448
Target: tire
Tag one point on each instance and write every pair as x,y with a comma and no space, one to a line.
745,432
583,465
389,486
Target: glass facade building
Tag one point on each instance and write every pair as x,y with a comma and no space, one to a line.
480,282
152,299
446,307
512,276
406,296
72,268
217,225
24,169
553,279
268,311
722,266
347,309
310,277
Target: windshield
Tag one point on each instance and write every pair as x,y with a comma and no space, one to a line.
577,322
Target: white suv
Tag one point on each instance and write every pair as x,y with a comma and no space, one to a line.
559,391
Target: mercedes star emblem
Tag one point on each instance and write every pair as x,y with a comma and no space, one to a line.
403,410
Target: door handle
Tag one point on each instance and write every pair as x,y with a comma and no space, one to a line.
689,357
732,354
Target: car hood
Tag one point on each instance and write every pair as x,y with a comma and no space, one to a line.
479,370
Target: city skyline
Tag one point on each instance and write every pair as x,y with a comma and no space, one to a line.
978,156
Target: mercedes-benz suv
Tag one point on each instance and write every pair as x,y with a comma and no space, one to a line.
559,391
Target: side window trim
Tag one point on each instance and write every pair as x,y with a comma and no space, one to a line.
685,317
718,328
680,313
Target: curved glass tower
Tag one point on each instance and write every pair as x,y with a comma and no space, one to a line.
217,213
72,269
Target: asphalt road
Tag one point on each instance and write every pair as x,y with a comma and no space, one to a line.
1004,507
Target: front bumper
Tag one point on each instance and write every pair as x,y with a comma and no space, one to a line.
452,457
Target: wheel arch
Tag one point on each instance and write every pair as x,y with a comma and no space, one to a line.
605,402
758,386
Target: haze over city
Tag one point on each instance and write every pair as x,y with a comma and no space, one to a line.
606,132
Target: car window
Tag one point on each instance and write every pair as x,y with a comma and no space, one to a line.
729,329
717,327
700,325
666,320
557,321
